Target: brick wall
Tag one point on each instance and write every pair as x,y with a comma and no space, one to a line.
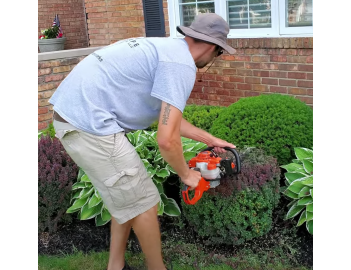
50,75
260,66
110,21
72,19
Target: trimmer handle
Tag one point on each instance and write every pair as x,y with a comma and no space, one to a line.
236,155
199,190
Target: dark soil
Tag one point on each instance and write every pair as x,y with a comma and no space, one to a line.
86,237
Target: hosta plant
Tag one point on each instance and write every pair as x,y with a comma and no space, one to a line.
299,181
87,201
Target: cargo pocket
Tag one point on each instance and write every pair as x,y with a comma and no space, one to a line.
126,187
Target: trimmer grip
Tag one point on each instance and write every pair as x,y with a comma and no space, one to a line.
199,190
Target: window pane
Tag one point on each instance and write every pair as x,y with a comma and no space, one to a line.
189,11
246,14
299,13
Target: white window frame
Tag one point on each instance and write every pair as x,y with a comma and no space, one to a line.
278,29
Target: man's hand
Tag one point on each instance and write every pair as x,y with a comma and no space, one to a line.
218,145
192,179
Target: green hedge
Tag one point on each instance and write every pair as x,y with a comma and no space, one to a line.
275,123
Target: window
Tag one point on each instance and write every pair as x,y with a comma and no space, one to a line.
249,18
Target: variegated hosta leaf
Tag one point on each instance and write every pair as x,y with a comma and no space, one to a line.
302,218
97,194
99,221
305,191
294,210
160,208
189,146
85,178
169,168
93,201
189,155
86,192
308,166
105,214
305,200
77,205
297,161
80,174
309,207
88,213
136,135
291,177
78,185
158,157
171,208
293,167
302,153
158,179
159,187
76,195
311,192
163,173
308,181
309,215
309,226
130,137
290,194
296,187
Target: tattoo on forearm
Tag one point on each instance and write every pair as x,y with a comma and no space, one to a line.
166,114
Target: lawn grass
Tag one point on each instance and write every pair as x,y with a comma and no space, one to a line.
98,261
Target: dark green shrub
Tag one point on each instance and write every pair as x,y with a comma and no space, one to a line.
241,207
275,123
201,116
56,174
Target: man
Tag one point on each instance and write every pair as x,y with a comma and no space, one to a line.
127,86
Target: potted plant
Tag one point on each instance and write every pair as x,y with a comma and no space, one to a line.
52,39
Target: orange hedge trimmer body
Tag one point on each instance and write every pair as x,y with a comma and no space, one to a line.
213,169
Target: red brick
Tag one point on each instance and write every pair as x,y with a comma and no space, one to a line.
244,72
237,64
244,86
48,64
229,71
278,74
297,59
297,75
229,85
44,71
251,94
43,117
269,81
251,65
307,84
236,79
310,92
223,92
208,76
228,57
283,82
278,58
222,78
213,103
42,125
309,59
278,89
50,78
297,91
305,68
215,84
306,52
245,58
307,100
291,67
269,66
253,80
261,73
256,58
238,93
43,110
260,87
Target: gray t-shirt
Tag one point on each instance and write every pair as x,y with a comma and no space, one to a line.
121,86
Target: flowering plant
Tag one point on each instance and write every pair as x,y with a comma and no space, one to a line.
54,32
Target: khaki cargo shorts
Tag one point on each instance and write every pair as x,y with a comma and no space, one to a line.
114,168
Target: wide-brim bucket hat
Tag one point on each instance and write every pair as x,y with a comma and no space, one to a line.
209,27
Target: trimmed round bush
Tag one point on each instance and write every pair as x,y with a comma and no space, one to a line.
276,123
241,207
201,116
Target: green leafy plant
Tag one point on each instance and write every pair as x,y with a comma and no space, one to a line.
52,32
299,181
88,202
201,116
274,123
241,207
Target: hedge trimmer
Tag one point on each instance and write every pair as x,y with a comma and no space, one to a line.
213,168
